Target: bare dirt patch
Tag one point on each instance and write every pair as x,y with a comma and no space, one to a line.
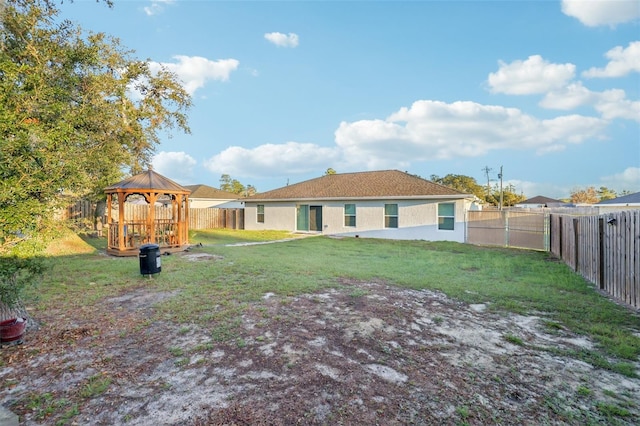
363,353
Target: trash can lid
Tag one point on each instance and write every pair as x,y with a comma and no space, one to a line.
149,246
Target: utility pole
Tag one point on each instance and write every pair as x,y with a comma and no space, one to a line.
500,177
486,170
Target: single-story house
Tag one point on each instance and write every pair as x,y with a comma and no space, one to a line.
540,201
377,204
624,202
204,196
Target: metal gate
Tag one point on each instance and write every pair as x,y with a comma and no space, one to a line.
508,228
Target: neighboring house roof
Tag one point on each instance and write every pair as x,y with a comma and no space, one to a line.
205,191
147,180
539,199
625,199
368,185
229,205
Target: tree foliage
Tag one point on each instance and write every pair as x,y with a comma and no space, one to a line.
227,183
509,196
584,196
76,110
16,272
605,193
591,195
461,183
469,185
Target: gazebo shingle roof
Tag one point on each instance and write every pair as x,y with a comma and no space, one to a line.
147,180
375,184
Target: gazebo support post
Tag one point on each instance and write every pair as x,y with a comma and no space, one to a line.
109,219
121,226
151,198
185,209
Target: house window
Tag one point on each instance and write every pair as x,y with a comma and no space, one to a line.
349,215
446,216
260,213
390,215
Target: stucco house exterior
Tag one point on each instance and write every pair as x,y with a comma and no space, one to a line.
204,196
378,204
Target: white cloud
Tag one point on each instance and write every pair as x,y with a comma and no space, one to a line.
593,13
283,40
628,179
272,159
157,6
177,166
613,104
431,130
195,71
570,97
622,61
546,189
425,131
534,75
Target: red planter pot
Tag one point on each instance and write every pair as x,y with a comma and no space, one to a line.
12,330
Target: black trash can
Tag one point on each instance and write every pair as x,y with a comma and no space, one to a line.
150,262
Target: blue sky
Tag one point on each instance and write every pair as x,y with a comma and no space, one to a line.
282,91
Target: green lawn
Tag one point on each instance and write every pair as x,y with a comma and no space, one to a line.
524,282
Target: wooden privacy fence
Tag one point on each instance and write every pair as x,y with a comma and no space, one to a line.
205,218
214,218
604,249
80,210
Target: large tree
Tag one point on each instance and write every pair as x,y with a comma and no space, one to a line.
509,196
77,111
605,193
584,196
227,183
461,183
469,185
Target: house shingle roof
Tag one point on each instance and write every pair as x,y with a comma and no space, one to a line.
376,184
147,180
539,199
625,199
205,191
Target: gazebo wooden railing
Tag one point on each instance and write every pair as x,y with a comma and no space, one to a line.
137,233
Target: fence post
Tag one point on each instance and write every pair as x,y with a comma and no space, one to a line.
505,213
560,229
601,253
576,243
546,233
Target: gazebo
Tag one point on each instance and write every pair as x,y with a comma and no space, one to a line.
147,208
